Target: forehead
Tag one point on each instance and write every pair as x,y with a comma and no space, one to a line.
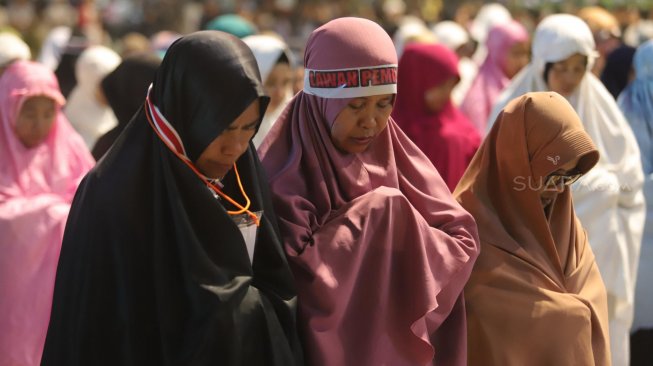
575,59
250,115
38,101
374,97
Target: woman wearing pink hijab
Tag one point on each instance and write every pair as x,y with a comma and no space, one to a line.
426,113
379,249
42,160
508,51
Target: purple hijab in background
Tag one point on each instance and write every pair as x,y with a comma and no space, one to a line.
379,249
491,79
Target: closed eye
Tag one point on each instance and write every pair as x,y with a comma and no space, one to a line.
250,126
357,103
384,103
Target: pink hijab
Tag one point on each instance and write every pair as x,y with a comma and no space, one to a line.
491,80
36,188
379,249
446,136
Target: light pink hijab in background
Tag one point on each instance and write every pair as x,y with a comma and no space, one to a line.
379,249
36,188
491,79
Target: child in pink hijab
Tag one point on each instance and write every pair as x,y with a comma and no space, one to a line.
425,110
42,160
379,249
508,53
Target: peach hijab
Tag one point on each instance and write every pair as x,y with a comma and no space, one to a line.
535,295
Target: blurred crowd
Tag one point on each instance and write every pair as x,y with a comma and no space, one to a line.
98,58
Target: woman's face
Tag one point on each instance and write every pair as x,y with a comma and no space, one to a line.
35,120
438,96
298,79
278,84
221,154
549,192
360,122
516,58
565,76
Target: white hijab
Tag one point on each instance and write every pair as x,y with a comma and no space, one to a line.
12,48
90,118
454,35
608,200
267,50
487,17
53,46
410,28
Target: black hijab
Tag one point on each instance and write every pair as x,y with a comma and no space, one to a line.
124,89
153,271
617,70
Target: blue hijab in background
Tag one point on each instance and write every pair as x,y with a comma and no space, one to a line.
233,24
636,102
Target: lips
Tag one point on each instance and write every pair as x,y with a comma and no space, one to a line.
363,140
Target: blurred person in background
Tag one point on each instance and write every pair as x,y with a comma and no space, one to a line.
87,112
42,160
618,70
124,90
488,15
636,101
12,48
508,52
606,32
133,43
275,64
232,24
162,40
425,112
297,78
456,37
411,29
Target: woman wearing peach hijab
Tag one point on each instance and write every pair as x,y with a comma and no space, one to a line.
608,200
535,296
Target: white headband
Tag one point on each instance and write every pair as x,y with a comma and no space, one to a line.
351,83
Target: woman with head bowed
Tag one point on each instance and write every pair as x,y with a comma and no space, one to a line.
171,254
379,248
608,200
42,160
425,111
535,296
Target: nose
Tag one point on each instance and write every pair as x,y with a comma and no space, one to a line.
236,146
368,120
558,188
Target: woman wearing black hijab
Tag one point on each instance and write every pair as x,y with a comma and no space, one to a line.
154,269
124,90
